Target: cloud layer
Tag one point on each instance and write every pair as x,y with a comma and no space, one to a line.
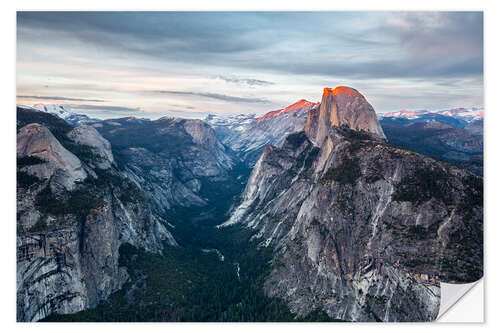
250,61
58,98
81,108
214,96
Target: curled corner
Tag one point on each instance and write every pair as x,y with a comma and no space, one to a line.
457,307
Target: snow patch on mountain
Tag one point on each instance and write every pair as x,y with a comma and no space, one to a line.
64,112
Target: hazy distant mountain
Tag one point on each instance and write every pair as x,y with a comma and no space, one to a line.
475,127
443,137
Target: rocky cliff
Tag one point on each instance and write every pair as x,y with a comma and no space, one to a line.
74,210
361,229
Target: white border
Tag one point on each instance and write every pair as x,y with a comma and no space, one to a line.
7,132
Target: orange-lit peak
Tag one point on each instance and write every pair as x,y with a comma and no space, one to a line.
301,104
298,105
341,90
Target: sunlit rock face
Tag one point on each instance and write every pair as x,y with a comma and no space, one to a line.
88,136
36,140
342,106
301,105
360,229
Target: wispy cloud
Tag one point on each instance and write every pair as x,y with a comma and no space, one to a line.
59,98
215,96
103,108
244,81
183,106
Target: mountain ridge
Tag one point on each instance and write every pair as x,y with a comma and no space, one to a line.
300,104
467,114
247,135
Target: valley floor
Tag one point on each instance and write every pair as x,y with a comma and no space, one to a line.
189,283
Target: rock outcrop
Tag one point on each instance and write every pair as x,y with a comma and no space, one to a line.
361,229
342,106
35,140
88,136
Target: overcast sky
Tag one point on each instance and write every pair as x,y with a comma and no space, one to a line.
190,64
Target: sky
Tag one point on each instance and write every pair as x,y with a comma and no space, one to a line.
190,64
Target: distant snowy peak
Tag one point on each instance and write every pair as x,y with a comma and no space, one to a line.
224,119
462,112
233,122
56,109
467,114
63,112
405,114
301,105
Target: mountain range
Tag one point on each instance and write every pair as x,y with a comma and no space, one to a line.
317,211
465,114
454,135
